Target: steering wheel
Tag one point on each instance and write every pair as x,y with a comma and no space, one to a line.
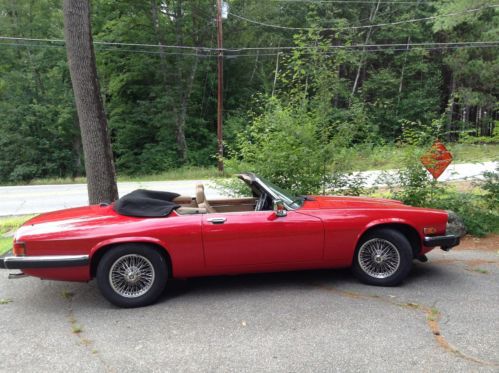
260,204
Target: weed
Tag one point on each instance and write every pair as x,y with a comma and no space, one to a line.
433,314
67,294
5,300
77,329
480,270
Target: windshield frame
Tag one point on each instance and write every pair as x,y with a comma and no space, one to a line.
291,202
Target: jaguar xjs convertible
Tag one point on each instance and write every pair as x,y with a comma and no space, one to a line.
136,244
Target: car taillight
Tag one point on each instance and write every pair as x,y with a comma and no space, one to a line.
19,249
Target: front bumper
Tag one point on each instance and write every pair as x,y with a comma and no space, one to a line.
445,242
44,261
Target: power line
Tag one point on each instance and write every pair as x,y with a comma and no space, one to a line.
204,50
363,26
361,46
271,51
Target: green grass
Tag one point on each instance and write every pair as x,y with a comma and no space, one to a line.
184,173
390,156
7,225
361,158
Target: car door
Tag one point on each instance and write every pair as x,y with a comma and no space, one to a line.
260,237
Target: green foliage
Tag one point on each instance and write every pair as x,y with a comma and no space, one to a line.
413,186
347,184
478,218
416,186
468,138
491,187
401,96
420,134
7,226
287,145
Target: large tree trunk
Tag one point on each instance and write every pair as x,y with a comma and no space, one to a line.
99,166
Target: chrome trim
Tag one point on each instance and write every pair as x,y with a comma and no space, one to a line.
446,242
217,220
44,261
13,276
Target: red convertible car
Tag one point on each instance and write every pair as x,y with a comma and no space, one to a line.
133,246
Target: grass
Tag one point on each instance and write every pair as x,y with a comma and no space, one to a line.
7,225
184,173
360,158
480,270
391,156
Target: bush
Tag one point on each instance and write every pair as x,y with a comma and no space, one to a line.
479,212
478,219
491,187
286,145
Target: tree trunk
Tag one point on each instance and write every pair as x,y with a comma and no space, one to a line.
183,96
99,166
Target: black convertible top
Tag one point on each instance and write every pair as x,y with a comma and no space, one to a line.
146,203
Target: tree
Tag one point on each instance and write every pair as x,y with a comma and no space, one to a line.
99,165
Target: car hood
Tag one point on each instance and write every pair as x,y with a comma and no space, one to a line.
342,202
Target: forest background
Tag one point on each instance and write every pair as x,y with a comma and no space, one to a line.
316,84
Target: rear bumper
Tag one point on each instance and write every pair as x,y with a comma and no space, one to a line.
45,261
445,242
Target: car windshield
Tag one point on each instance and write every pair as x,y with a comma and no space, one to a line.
284,195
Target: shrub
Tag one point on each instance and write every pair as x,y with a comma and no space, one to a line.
491,187
286,145
478,219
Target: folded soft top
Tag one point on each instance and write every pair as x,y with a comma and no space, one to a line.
146,203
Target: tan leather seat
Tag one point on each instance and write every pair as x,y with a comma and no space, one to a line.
201,199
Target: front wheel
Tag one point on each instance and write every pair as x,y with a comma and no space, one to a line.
132,275
383,257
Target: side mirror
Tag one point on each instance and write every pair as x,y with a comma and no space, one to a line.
279,208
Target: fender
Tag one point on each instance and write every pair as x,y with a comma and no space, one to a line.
376,222
132,239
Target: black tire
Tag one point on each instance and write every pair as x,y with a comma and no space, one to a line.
145,278
374,268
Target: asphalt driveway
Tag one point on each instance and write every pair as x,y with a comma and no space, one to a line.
444,318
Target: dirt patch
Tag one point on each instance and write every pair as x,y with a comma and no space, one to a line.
489,243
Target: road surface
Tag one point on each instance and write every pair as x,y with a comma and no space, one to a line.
20,200
442,319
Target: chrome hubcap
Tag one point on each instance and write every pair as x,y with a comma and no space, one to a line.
379,258
131,275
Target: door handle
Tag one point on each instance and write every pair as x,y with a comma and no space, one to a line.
217,220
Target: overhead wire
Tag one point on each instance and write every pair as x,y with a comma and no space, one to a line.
201,50
274,51
474,10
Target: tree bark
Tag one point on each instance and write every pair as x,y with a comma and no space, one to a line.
99,165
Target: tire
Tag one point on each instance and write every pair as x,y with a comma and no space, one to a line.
132,275
383,258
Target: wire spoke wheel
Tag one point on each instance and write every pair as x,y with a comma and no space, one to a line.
379,258
132,275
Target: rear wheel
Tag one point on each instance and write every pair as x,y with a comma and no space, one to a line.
132,275
383,257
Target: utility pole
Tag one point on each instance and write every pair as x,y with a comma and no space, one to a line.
220,87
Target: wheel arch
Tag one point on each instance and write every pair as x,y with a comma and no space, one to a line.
102,248
403,227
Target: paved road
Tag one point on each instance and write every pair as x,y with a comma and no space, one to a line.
21,200
444,318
